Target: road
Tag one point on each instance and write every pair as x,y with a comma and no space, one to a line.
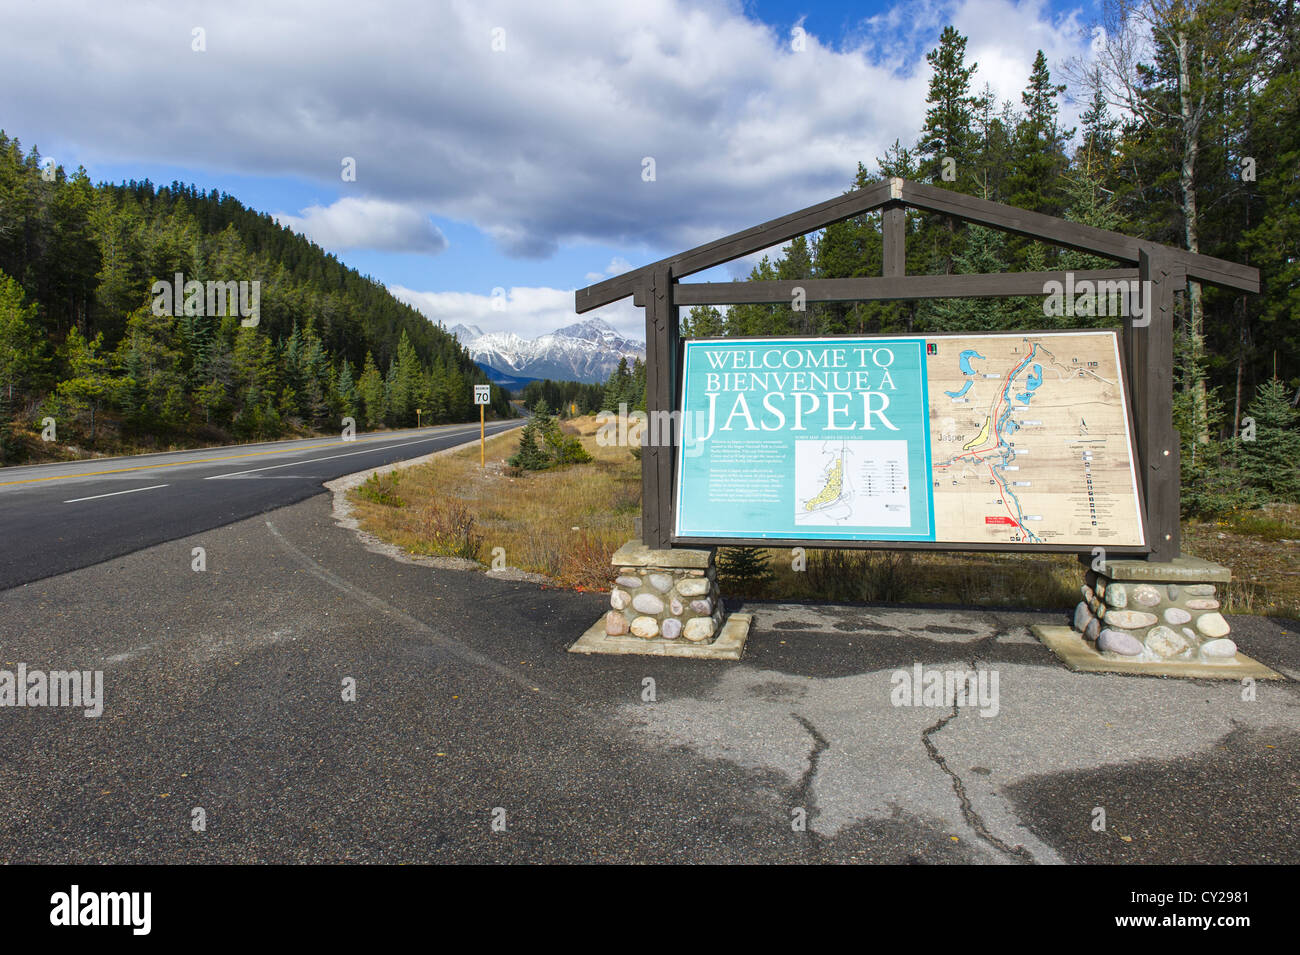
473,736
60,517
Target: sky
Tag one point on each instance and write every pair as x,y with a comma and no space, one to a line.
504,153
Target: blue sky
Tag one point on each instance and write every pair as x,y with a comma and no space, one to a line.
500,144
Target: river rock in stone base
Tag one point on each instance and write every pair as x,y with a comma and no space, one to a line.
1212,625
1201,590
615,624
675,607
630,583
702,606
1082,617
701,628
645,627
1173,591
1163,642
648,603
1176,616
1117,596
1117,641
1202,603
671,628
618,599
1215,650
1144,595
1130,619
693,588
660,582
1091,631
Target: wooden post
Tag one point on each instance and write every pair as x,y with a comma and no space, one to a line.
1149,348
482,441
893,231
661,336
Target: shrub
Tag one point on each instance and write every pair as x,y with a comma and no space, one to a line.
448,529
543,445
745,571
382,490
859,576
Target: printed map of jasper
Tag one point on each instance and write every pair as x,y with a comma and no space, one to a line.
1029,440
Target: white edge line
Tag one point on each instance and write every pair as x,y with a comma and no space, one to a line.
346,454
115,493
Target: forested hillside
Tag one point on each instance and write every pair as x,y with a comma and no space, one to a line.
81,341
1198,148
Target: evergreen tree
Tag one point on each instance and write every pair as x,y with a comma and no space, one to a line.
371,389
948,117
19,345
1272,460
703,321
89,382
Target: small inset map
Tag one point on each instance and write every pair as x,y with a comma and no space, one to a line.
851,483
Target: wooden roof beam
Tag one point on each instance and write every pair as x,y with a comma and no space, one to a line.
738,244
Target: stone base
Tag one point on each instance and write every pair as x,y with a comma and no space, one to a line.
1080,655
668,595
728,645
663,598
1148,612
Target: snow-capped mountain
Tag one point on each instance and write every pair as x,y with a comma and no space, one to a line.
588,351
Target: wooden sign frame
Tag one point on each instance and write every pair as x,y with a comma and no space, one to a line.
1147,349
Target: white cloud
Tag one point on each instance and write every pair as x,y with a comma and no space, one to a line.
538,145
527,312
617,266
354,223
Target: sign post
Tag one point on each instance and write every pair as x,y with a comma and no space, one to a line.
482,395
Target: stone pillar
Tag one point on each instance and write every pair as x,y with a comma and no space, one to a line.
1155,611
664,595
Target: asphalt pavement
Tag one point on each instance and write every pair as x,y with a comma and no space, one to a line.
59,517
473,736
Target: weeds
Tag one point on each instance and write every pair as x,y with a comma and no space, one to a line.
382,490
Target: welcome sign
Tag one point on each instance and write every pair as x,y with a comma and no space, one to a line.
1017,439
805,438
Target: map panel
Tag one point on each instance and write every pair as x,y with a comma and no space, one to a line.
1030,440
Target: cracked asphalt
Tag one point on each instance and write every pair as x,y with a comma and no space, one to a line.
224,691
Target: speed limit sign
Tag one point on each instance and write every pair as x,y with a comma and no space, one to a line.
482,394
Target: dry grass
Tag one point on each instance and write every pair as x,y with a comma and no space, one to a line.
567,524
1263,549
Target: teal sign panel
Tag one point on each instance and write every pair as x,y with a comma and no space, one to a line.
805,439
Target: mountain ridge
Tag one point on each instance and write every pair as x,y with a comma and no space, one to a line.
588,351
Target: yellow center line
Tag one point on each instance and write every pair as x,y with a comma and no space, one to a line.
177,464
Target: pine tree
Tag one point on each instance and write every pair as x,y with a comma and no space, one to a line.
947,130
703,321
371,389
1272,460
19,345
1037,154
745,571
89,383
